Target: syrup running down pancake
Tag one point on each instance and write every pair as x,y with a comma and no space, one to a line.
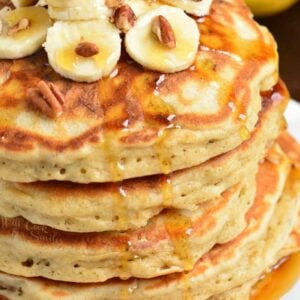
141,122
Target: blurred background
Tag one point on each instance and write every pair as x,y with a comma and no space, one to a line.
282,17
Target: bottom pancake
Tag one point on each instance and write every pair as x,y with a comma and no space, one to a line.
269,222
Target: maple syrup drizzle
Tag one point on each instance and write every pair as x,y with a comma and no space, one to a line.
116,170
244,132
115,166
162,154
239,114
186,293
165,168
242,117
179,228
166,190
126,292
278,282
120,208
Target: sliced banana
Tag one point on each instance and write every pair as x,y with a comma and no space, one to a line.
21,3
23,31
73,3
193,7
83,50
41,3
76,10
141,7
79,13
145,48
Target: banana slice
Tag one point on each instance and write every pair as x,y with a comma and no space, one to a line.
145,47
21,3
79,13
83,51
41,3
76,10
193,7
73,3
23,31
141,7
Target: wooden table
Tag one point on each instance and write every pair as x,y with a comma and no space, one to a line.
286,29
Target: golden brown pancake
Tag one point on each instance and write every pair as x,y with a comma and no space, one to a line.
136,124
171,242
131,203
223,268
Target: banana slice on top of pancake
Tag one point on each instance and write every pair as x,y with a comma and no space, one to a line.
75,10
22,31
164,39
141,7
194,7
83,50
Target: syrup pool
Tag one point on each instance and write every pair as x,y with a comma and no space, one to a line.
280,281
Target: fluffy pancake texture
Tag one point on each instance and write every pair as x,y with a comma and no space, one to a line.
225,267
131,203
171,242
141,122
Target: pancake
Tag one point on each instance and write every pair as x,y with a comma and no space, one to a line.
242,292
171,242
222,269
140,122
291,246
131,203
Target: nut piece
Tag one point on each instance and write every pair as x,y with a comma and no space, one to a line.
22,25
86,49
124,18
47,98
114,3
164,31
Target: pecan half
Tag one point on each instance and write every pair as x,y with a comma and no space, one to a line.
164,31
47,98
114,3
22,25
124,18
86,49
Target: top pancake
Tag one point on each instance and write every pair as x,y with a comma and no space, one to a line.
140,122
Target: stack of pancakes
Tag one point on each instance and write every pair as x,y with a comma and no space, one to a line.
151,186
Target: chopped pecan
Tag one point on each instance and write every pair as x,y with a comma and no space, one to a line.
164,31
47,98
22,25
114,3
86,49
124,18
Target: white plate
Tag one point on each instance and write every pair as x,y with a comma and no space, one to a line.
293,118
